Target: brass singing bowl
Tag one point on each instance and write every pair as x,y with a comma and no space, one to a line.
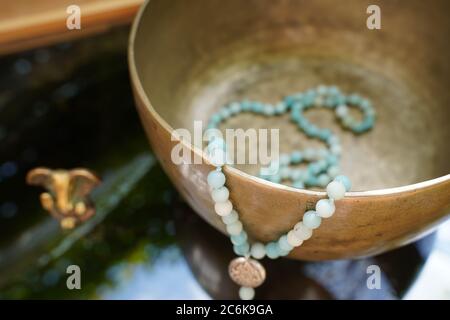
187,58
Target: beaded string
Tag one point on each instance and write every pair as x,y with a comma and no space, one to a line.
322,170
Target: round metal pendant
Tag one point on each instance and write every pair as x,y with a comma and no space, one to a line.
247,272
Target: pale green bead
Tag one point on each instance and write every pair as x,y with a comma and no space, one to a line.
239,239
216,118
280,108
309,154
246,105
217,157
284,244
234,228
298,184
311,219
268,110
293,240
336,190
296,174
333,140
342,111
296,157
302,231
258,250
246,293
242,249
336,149
235,108
225,113
275,178
257,107
220,195
333,171
212,134
216,179
305,175
323,180
285,159
223,208
217,143
345,181
285,172
325,208
231,218
322,89
272,250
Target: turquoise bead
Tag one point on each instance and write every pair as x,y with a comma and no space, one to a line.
365,104
295,116
302,123
340,100
280,108
311,219
242,250
298,184
283,244
333,90
312,130
329,103
323,180
225,113
285,159
268,110
216,179
274,178
345,181
314,168
272,250
246,105
239,239
257,107
322,163
217,143
370,112
285,172
231,218
332,159
296,174
296,157
322,89
311,181
354,99
235,108
324,134
303,175
216,118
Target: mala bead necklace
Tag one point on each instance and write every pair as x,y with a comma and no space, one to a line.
322,170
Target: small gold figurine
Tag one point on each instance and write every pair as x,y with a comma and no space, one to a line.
67,198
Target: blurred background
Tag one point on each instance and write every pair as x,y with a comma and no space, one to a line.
69,104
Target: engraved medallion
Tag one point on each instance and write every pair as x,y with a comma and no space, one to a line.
247,272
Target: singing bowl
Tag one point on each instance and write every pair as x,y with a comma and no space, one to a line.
187,58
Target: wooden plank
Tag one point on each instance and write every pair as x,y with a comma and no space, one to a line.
25,24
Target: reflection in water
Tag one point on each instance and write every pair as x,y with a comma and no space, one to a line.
168,278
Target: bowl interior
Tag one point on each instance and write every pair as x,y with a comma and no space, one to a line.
192,59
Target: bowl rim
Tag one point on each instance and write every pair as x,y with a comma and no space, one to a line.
139,90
